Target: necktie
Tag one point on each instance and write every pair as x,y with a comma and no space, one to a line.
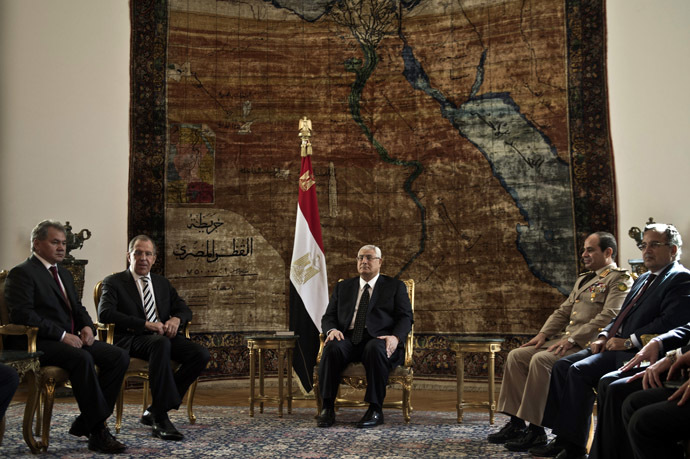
149,306
619,320
53,271
361,319
588,277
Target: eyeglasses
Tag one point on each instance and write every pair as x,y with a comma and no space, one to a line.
654,245
367,257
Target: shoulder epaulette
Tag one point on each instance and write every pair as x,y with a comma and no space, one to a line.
585,273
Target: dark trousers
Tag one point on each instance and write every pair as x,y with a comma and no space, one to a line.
656,425
95,392
611,438
571,392
371,352
168,387
9,380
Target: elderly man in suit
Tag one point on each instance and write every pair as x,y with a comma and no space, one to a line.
41,293
657,302
367,320
149,317
595,299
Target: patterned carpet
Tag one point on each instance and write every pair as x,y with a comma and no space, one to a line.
230,432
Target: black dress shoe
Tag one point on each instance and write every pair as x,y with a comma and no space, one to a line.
530,439
326,417
78,429
165,430
508,432
371,418
102,441
147,418
551,449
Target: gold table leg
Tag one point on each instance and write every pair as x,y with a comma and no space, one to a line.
252,377
460,364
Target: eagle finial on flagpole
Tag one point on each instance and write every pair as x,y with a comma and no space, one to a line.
305,134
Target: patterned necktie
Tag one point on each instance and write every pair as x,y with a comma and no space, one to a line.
361,319
53,271
149,306
619,320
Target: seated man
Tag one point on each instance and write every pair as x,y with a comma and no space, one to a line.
657,419
40,293
657,302
593,302
149,318
9,381
612,440
367,320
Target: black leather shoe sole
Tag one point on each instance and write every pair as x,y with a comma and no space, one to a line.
526,442
163,435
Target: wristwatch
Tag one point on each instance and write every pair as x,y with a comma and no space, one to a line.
628,343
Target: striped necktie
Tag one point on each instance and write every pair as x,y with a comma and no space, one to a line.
149,304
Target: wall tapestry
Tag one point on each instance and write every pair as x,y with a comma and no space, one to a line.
469,139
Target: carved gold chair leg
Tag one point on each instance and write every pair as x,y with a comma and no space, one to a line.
48,401
30,410
190,402
119,405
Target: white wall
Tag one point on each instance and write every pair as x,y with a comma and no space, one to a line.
64,104
64,147
648,68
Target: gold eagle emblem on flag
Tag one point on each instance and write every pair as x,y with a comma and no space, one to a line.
306,181
304,268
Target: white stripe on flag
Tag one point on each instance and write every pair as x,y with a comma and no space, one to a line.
308,271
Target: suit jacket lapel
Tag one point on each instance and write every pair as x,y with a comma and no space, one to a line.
47,277
375,293
651,288
133,291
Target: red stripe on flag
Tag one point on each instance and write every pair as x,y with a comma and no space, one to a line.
307,201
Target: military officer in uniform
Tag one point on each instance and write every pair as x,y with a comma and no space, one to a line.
595,299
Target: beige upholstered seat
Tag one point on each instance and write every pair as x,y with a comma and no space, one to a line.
138,368
355,377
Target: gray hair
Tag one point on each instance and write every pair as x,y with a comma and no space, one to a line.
40,231
371,247
671,233
141,237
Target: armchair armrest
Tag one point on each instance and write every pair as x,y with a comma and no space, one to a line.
19,330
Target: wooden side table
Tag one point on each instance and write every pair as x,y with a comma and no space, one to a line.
27,365
475,344
257,344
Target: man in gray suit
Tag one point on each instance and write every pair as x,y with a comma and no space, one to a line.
595,299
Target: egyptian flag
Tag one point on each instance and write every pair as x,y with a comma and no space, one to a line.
308,281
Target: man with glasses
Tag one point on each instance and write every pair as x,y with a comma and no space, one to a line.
41,293
657,302
367,320
149,318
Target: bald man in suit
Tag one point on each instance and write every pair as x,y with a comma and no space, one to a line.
367,320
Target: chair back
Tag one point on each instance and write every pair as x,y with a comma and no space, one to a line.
409,342
4,311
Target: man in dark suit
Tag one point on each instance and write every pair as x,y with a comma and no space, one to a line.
657,302
149,318
367,320
664,424
40,293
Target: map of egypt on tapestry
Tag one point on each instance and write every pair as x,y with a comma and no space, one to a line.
468,139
